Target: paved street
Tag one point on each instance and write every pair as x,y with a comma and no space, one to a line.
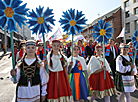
7,88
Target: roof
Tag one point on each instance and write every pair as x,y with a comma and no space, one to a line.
109,14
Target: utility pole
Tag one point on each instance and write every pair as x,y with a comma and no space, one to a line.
124,24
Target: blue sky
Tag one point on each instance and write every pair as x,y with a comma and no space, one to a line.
91,8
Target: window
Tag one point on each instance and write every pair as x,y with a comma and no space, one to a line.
135,1
136,10
127,3
128,27
127,14
136,25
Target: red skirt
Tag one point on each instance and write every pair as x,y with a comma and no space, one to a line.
102,87
58,86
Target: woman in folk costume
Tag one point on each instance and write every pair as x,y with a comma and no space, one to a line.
77,69
102,88
31,76
21,52
125,74
58,89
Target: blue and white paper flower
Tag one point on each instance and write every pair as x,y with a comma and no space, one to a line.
72,22
134,39
103,29
11,13
40,21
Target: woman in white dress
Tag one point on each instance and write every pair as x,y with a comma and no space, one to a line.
31,76
125,74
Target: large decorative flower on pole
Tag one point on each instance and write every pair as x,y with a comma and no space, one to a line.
11,13
72,23
40,22
102,34
102,31
134,39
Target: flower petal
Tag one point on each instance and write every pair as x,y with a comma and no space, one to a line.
72,13
32,14
3,21
20,20
72,30
78,15
63,21
2,6
79,28
82,21
35,29
66,15
32,23
66,27
22,10
47,13
39,11
7,1
95,35
136,33
96,28
1,13
16,3
11,25
42,29
50,19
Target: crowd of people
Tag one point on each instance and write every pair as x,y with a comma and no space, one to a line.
73,80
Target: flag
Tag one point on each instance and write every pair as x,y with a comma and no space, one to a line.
56,36
79,37
121,34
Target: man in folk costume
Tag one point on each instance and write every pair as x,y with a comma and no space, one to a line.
89,50
131,50
40,51
21,51
82,49
48,47
111,54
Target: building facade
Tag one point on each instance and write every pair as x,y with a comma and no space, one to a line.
129,17
113,17
19,36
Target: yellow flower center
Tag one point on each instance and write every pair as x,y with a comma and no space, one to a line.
72,23
102,32
137,38
9,12
40,20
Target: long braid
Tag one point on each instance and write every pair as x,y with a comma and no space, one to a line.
51,64
63,61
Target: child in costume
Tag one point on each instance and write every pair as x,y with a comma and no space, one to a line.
76,69
125,74
58,89
102,88
31,76
21,52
